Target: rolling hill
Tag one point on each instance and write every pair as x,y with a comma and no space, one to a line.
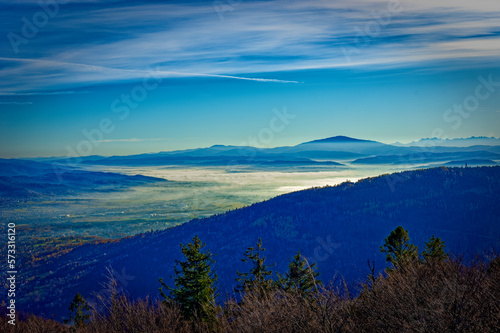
338,227
22,179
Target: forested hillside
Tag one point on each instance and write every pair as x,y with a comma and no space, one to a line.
338,227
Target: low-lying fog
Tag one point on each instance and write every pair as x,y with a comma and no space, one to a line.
190,193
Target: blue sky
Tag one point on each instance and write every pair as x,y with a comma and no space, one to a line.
217,72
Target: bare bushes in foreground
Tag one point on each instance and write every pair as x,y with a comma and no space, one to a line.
445,296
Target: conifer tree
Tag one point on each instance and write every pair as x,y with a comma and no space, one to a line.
434,250
259,276
195,283
301,277
79,312
398,248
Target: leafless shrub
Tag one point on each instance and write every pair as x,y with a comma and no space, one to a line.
115,312
438,297
434,297
280,311
32,324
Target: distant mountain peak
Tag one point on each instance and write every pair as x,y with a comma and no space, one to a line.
338,139
219,146
454,142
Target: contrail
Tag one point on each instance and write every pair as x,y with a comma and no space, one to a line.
119,70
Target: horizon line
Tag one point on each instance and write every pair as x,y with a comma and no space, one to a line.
248,146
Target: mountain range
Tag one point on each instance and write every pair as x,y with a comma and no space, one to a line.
333,153
44,176
458,142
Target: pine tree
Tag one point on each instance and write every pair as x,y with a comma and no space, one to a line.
195,283
259,277
398,248
301,277
434,250
79,312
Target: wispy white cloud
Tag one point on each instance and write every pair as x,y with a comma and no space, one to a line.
118,42
133,140
84,73
42,93
16,103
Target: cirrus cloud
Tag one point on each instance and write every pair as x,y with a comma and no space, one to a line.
96,42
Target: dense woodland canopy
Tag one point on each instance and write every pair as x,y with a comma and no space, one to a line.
339,228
